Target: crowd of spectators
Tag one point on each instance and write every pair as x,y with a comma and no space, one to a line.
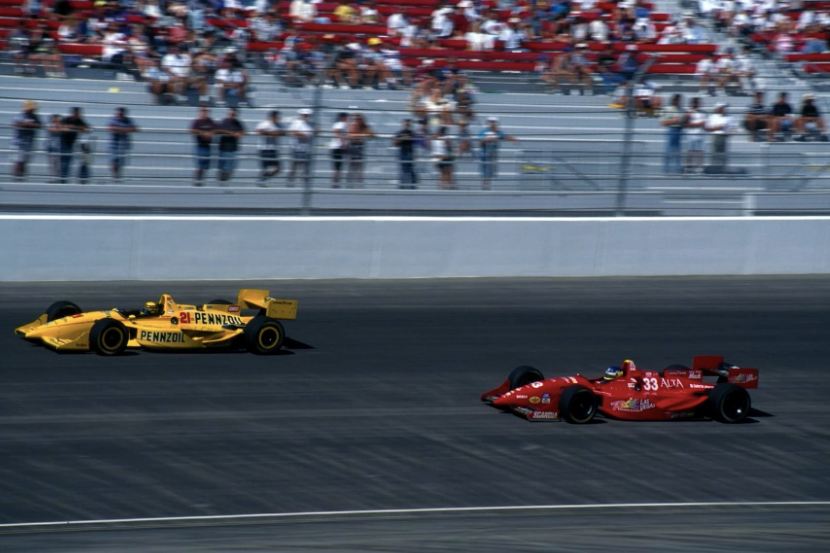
774,123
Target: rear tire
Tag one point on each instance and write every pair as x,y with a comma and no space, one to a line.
577,404
729,404
108,337
61,309
524,375
263,336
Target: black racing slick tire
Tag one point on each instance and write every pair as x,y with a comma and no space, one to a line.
263,336
61,309
729,404
108,337
524,375
577,404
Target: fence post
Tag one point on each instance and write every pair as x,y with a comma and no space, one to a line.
628,136
308,189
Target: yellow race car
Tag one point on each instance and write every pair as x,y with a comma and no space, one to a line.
166,325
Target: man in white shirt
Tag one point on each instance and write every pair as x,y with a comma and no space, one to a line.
269,132
231,79
512,36
302,132
397,22
302,11
721,127
706,72
442,24
177,65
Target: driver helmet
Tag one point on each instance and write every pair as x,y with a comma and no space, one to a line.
612,373
150,308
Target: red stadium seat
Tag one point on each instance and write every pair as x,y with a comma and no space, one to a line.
672,69
82,5
13,3
808,57
89,50
10,12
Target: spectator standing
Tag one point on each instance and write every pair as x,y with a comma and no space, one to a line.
674,120
302,132
756,117
404,140
488,140
809,120
337,146
442,154
53,147
230,131
269,132
359,133
202,129
696,139
721,126
26,125
120,127
71,126
780,118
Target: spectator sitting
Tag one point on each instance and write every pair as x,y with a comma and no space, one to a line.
442,22
756,117
396,70
645,99
809,122
302,11
780,118
177,67
512,36
116,49
158,80
706,72
345,13
396,23
605,67
478,40
231,79
265,27
369,13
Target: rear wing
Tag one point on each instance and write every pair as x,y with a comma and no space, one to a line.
261,299
714,364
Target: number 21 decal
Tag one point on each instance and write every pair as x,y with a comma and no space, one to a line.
184,317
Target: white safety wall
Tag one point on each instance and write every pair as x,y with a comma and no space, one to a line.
42,248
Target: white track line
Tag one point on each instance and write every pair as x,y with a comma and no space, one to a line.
403,218
433,510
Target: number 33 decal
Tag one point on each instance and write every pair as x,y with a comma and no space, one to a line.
650,384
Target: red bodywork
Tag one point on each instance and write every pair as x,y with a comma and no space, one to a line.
674,393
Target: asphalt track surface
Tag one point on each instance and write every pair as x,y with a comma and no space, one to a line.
376,407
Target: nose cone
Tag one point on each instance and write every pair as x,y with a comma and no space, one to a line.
526,396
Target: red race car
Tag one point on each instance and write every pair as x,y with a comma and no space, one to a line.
629,393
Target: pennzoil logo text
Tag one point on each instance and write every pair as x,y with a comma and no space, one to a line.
166,337
215,319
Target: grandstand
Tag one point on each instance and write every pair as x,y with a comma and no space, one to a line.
574,155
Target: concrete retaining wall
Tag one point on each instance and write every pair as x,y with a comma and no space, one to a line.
40,247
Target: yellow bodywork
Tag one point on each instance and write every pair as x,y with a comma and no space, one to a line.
173,326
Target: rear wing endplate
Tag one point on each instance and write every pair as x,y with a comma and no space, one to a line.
714,364
261,299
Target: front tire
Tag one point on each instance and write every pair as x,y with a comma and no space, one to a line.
61,309
729,404
577,404
263,336
524,375
108,337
